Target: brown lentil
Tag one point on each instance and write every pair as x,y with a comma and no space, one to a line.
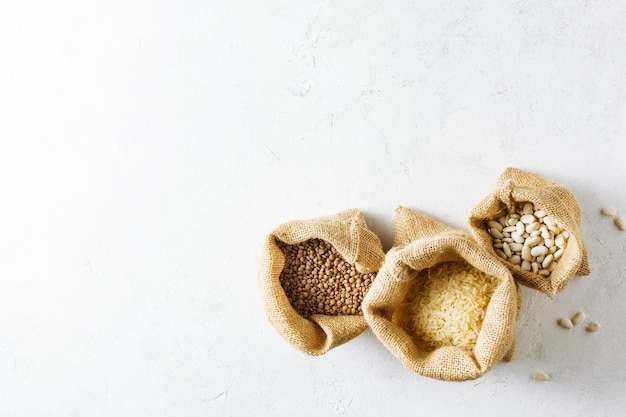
317,280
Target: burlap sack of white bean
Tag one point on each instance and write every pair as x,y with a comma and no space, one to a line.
515,187
347,232
422,244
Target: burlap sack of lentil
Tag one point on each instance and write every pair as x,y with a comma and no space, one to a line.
420,243
517,186
348,233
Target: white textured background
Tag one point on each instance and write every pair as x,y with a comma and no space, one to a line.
146,148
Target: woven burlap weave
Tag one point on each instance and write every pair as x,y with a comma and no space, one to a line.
420,243
517,186
348,233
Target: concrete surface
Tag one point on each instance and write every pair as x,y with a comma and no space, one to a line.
146,148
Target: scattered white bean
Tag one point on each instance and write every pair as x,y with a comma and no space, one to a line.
565,323
608,211
541,376
593,327
620,223
578,318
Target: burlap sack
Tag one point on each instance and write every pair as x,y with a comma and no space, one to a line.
517,186
348,233
421,243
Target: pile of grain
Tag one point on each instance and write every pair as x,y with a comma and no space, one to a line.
447,305
317,280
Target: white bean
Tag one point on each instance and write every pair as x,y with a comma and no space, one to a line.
533,241
547,261
532,227
520,228
535,267
593,327
516,247
539,250
517,237
528,208
565,323
559,240
494,225
515,259
528,219
578,318
608,211
549,220
507,250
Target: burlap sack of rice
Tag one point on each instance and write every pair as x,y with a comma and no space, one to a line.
515,187
351,241
435,326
